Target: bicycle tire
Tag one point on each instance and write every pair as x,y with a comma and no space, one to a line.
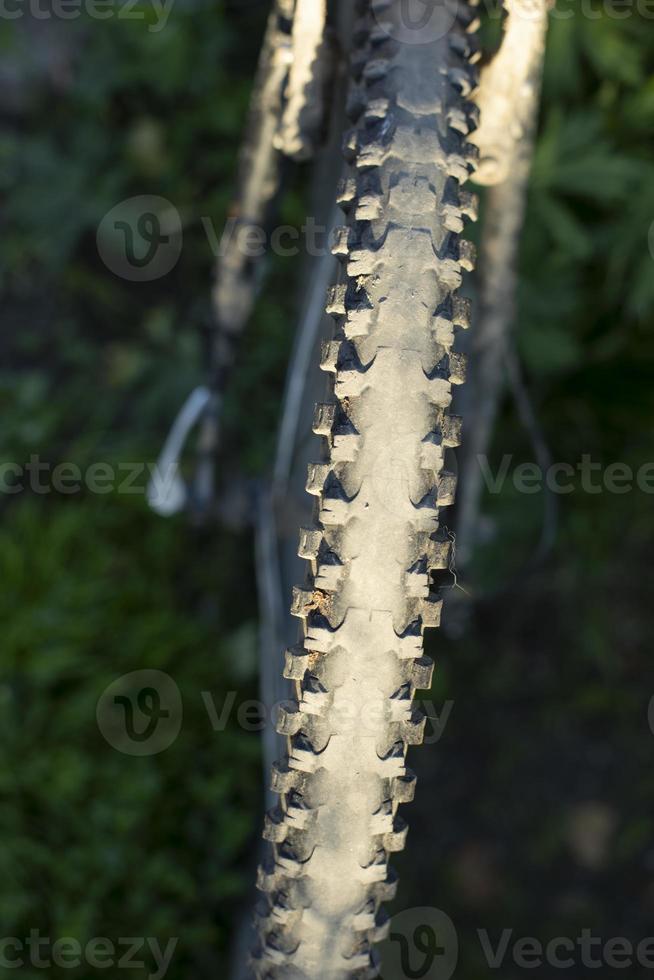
379,487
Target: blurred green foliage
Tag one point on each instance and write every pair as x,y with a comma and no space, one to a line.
94,368
95,843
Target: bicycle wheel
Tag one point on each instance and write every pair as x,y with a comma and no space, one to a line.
378,489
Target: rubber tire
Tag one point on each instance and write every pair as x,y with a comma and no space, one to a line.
378,489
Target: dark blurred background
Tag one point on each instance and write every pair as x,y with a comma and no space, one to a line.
535,808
